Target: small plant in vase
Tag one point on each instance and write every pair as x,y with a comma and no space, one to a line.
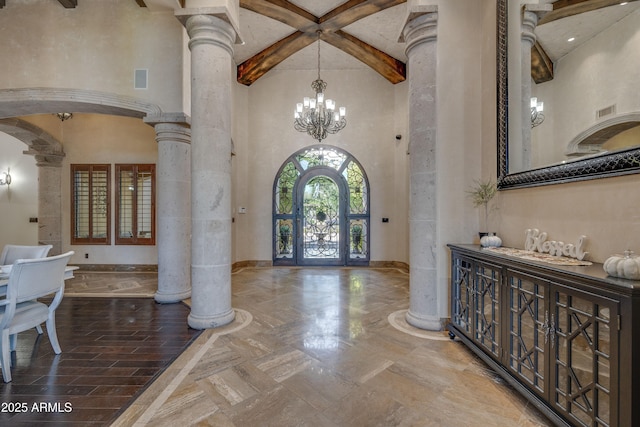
481,195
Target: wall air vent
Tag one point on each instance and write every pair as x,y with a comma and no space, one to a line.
606,111
140,78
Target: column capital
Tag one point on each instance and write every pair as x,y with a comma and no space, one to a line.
224,13
173,118
420,28
529,23
172,127
46,158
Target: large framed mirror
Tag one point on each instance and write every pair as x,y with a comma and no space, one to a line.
586,88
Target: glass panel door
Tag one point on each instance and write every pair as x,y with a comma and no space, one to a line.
321,209
320,239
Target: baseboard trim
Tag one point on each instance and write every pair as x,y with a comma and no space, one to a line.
403,266
134,268
390,264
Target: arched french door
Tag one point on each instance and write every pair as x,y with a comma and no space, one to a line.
321,209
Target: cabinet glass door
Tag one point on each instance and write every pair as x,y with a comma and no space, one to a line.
462,293
487,308
583,353
528,322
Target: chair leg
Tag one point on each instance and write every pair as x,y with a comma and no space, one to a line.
53,336
6,357
13,340
39,329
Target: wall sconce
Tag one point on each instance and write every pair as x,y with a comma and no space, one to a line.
536,112
7,178
64,116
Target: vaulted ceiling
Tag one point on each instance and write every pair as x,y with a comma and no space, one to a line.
355,34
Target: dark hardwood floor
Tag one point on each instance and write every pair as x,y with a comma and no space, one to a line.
111,350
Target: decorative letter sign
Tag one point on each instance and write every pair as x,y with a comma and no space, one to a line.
536,241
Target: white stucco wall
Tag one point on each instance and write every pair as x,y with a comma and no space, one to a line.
96,46
18,201
605,210
375,112
95,138
601,72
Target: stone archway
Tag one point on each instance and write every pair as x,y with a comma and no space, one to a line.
47,150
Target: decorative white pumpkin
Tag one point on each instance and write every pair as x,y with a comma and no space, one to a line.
626,266
490,241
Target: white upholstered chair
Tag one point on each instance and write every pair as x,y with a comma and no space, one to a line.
29,280
11,253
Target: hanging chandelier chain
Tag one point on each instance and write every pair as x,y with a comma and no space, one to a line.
318,32
317,116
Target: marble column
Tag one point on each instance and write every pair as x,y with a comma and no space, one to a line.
420,35
211,41
529,22
50,201
173,206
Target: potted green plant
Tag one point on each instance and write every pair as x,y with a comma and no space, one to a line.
481,194
356,235
285,232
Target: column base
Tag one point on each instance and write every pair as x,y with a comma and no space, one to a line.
171,297
198,322
427,323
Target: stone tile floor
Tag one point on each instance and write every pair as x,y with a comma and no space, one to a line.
327,347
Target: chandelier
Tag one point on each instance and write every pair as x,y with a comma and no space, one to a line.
536,112
317,116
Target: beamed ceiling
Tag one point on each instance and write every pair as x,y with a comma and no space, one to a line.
281,34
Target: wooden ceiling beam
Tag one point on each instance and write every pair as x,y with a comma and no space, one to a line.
386,65
353,11
566,8
541,65
259,64
68,4
330,26
283,11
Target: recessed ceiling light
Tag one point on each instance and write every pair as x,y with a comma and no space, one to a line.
570,39
623,3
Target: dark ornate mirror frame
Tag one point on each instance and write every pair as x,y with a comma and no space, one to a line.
618,163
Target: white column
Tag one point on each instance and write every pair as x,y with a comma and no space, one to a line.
173,207
529,22
50,201
211,41
420,35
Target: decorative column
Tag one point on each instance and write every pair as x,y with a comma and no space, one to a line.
529,22
50,200
173,218
211,40
420,35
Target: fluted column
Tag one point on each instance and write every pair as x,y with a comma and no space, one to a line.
50,201
173,206
529,22
211,40
420,35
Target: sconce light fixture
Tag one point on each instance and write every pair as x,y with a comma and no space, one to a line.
7,178
536,112
64,116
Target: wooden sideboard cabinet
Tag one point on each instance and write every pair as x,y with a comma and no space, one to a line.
566,337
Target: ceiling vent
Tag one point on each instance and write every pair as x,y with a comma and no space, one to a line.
606,111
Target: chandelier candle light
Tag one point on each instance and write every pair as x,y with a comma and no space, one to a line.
317,116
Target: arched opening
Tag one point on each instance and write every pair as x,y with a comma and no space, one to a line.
321,209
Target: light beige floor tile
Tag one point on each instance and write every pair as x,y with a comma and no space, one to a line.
320,351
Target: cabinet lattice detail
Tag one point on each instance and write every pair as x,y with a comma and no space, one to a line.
561,336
